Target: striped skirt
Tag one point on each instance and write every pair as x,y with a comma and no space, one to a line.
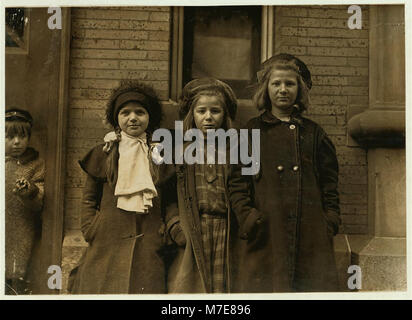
213,228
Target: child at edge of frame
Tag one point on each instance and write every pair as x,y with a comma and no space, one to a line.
24,193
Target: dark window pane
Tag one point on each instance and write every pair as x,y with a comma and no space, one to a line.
223,42
14,26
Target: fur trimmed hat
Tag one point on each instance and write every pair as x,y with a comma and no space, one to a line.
196,86
130,90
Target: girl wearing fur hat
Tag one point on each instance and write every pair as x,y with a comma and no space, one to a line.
207,194
296,189
121,214
24,186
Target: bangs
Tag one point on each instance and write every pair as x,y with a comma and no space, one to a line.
17,128
284,67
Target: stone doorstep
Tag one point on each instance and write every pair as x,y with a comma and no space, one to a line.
382,261
74,246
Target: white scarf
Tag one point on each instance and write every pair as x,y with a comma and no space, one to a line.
134,186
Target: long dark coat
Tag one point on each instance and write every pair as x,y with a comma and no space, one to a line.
22,214
188,272
296,192
124,253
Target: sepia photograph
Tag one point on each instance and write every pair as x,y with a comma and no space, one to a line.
204,149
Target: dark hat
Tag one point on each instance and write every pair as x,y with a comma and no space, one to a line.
196,86
138,92
15,114
286,57
130,96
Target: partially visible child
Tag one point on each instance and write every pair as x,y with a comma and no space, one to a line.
24,198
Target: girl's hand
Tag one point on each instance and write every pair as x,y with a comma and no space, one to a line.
24,188
20,185
177,235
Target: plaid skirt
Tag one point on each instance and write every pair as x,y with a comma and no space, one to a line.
213,228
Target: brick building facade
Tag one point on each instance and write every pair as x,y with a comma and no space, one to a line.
113,43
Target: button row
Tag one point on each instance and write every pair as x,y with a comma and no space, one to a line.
294,168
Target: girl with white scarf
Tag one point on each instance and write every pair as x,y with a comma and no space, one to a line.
121,209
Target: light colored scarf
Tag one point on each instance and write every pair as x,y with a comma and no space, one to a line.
134,187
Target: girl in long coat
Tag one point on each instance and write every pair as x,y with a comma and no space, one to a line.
295,190
121,210
207,194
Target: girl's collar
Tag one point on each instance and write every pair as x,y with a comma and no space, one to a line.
143,136
295,118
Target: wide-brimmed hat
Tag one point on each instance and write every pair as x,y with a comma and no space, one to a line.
196,86
300,65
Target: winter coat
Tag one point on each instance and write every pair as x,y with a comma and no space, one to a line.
188,272
296,192
22,213
125,248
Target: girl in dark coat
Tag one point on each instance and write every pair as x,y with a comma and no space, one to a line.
121,214
206,194
295,190
24,186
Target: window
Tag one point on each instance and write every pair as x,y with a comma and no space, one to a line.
227,43
17,29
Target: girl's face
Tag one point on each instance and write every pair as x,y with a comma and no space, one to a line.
133,119
208,113
283,88
15,146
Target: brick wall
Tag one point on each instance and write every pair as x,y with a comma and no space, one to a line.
108,44
338,60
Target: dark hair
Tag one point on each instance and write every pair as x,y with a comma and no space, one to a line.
17,128
131,90
261,97
18,123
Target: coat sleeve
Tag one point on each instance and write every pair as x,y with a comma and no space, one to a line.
92,194
168,186
94,164
241,202
328,171
35,201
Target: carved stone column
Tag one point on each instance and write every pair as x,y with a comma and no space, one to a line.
381,130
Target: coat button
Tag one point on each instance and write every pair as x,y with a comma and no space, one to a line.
295,168
292,127
280,168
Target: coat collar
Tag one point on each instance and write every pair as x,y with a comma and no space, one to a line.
269,118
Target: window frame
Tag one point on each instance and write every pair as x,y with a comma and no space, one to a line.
176,76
